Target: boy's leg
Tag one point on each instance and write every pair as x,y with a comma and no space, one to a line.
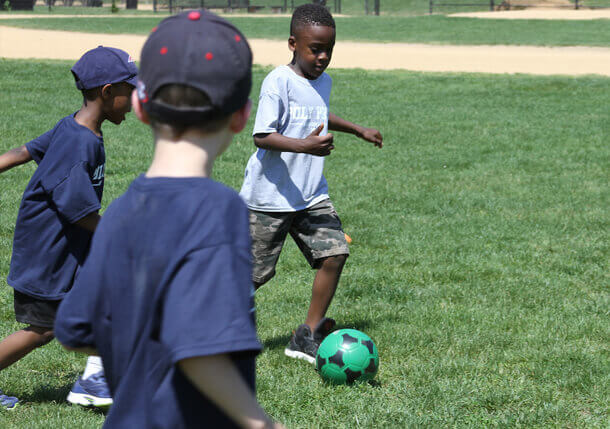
324,287
22,342
268,231
318,233
40,316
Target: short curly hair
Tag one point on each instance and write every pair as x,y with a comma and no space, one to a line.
310,14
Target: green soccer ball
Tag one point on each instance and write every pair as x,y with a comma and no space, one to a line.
347,355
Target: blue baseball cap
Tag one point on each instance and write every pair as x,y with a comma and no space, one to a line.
201,50
103,65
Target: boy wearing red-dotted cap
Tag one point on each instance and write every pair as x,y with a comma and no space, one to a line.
166,296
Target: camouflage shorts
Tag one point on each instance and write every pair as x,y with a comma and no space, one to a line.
316,230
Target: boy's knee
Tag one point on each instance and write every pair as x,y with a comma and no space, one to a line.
43,335
334,262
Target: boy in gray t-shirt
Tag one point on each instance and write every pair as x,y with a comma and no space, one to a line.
284,185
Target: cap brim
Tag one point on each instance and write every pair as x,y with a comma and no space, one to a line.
133,81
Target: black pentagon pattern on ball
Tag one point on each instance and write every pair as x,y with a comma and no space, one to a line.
321,362
351,375
371,368
337,358
348,339
369,345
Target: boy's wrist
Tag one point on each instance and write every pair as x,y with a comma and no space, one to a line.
358,131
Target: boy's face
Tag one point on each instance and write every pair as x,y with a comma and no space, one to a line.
118,102
313,47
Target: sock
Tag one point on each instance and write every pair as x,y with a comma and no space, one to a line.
94,365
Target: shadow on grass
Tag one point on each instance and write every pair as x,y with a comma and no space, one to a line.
282,340
359,324
276,342
44,394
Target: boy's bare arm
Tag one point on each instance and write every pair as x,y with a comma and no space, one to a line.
372,135
14,157
313,144
89,222
217,378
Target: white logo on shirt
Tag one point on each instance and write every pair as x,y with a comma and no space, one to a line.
98,175
308,112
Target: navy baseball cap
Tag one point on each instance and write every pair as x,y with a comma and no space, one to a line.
104,65
201,50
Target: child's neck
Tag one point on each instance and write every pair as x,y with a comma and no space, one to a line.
190,156
90,116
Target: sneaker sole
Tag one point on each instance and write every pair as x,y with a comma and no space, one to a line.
299,355
88,400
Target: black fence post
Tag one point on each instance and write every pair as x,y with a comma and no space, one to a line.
377,7
576,5
430,6
366,7
491,5
285,6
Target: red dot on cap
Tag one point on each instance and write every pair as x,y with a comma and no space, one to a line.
153,29
163,50
237,38
194,16
209,56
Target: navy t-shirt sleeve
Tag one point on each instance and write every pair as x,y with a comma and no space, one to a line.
38,147
209,306
74,196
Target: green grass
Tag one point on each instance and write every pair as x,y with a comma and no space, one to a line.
479,263
422,29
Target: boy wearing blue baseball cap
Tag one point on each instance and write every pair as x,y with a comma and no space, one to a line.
166,296
59,209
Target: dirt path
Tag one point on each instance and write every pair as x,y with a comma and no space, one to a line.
26,43
540,13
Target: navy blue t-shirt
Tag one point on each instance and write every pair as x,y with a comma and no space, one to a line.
38,147
48,248
168,278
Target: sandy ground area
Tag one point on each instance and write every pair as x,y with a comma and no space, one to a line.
540,13
29,43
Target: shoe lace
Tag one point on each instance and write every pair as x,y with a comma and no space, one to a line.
96,384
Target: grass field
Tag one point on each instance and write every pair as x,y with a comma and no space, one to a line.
479,263
422,29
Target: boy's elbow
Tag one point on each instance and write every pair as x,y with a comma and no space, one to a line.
259,140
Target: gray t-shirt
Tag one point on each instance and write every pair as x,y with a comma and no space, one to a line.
285,181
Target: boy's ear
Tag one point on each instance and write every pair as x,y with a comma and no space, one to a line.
239,119
141,114
292,43
106,91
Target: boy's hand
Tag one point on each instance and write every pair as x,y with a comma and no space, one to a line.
372,135
315,144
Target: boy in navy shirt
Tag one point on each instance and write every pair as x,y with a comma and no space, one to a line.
284,185
59,208
166,295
